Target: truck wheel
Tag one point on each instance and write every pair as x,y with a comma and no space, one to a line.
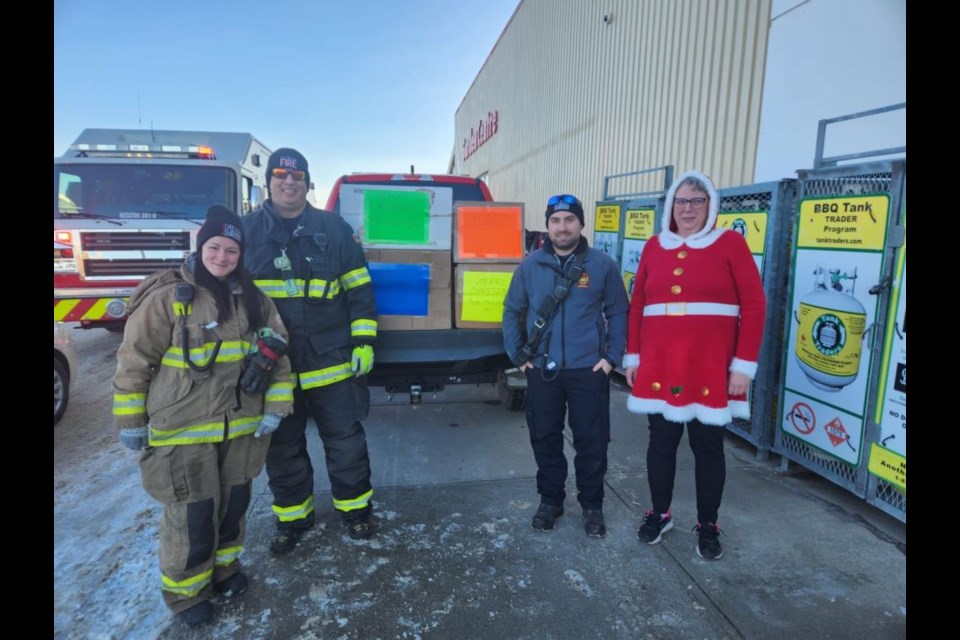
115,327
512,397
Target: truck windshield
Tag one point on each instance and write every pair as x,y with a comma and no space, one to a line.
141,192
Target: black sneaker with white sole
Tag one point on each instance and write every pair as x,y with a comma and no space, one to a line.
708,544
654,526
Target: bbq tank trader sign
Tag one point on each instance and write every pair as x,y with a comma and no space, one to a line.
838,257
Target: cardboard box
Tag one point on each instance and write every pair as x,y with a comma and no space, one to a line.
399,221
431,299
480,291
486,232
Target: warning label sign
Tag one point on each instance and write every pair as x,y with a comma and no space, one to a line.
835,431
802,418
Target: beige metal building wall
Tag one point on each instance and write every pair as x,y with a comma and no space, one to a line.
589,88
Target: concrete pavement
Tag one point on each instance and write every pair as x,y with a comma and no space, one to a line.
456,556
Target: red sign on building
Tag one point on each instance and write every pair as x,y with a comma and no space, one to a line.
484,131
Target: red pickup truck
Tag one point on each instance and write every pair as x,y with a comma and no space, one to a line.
418,361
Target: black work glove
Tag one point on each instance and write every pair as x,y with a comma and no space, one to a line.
258,365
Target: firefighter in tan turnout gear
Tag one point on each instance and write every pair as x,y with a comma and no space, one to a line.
201,382
307,261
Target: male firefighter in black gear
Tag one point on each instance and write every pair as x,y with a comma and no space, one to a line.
306,260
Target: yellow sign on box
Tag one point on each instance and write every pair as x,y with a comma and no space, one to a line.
752,225
607,218
483,295
638,224
846,222
888,465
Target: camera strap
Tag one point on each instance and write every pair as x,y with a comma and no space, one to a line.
552,302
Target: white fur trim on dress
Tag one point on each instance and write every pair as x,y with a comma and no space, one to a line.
631,360
745,367
706,236
706,415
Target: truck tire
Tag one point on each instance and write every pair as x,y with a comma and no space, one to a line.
512,398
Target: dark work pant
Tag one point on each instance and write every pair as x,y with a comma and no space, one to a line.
586,394
337,410
706,442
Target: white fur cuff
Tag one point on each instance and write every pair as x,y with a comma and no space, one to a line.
748,369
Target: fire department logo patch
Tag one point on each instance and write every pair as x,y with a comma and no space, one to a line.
584,281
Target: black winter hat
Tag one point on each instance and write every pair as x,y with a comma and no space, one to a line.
287,158
220,222
565,202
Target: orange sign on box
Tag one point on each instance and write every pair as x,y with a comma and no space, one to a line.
488,232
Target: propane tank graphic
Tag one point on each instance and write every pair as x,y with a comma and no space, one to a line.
832,326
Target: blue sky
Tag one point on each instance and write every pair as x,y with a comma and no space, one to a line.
364,85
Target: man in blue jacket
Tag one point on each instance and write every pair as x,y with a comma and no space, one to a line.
568,361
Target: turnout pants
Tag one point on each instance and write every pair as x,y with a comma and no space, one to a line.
706,442
205,492
586,394
337,409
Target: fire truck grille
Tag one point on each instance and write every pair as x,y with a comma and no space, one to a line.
126,268
136,240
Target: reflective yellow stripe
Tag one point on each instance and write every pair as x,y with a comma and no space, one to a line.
98,310
278,288
297,512
189,587
62,308
243,426
230,351
129,404
193,434
227,556
317,288
179,310
355,278
279,392
324,377
356,503
363,327
207,432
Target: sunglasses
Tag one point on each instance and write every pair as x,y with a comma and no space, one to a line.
555,200
281,174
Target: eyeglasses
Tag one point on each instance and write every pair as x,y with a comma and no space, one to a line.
555,200
682,202
281,174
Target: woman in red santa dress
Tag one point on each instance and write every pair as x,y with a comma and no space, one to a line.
694,333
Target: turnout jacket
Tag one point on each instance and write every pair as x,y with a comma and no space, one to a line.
325,296
153,383
589,324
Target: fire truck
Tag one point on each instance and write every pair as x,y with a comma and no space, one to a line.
129,202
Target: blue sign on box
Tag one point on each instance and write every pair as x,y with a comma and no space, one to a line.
401,289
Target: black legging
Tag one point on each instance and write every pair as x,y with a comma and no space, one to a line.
706,442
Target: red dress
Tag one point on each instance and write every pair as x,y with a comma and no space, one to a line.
697,313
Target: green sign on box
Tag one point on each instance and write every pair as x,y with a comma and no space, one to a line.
396,217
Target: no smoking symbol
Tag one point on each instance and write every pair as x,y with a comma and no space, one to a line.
802,418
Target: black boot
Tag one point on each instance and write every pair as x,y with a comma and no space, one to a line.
593,523
545,516
197,615
285,540
232,586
